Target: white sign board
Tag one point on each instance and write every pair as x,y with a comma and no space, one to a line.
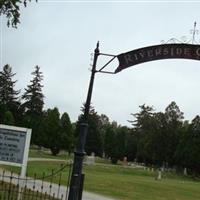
14,146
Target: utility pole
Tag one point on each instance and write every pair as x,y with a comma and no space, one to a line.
77,177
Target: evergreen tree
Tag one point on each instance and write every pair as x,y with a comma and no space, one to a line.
33,105
67,134
94,139
110,145
8,118
9,100
141,123
158,139
121,134
104,123
33,96
52,128
184,147
143,127
189,147
94,143
131,145
116,142
194,142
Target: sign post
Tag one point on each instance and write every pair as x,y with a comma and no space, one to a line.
77,177
14,146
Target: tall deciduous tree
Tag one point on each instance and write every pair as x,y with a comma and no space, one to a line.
11,9
174,120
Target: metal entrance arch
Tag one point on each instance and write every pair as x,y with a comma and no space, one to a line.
128,59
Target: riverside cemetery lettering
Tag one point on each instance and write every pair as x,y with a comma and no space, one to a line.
157,52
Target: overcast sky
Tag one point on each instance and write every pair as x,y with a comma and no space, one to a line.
60,36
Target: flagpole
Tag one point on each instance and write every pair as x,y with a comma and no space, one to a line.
77,177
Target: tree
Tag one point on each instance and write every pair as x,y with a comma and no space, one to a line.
141,123
2,112
183,148
94,142
143,128
8,118
67,134
189,147
110,145
174,121
33,105
53,137
104,123
194,142
115,142
94,139
173,114
11,9
121,142
33,96
158,139
9,100
131,145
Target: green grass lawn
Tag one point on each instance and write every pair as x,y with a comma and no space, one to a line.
127,183
36,153
10,192
136,184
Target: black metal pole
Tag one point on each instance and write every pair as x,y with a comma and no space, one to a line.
75,192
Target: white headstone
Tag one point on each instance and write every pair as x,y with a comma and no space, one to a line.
185,171
125,161
90,160
159,175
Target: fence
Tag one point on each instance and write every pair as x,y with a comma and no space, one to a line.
12,187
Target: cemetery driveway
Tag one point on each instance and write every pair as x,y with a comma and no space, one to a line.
54,189
86,195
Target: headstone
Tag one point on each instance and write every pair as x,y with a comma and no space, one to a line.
125,163
90,160
185,171
159,175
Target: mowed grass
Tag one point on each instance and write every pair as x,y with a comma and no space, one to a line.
137,184
36,153
125,183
